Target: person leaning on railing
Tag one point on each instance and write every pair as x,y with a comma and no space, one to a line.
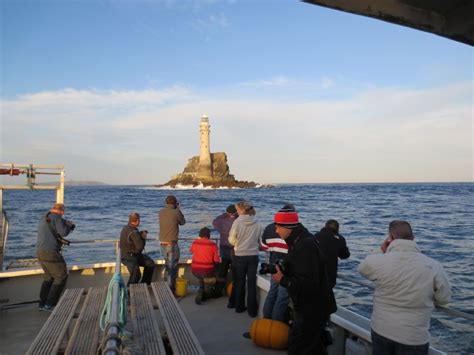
52,229
407,285
132,243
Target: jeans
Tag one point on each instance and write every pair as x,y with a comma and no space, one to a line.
54,278
171,254
276,302
246,269
385,346
133,263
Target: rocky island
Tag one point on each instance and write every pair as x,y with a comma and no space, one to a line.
208,169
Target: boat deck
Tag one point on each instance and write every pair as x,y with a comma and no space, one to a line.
218,328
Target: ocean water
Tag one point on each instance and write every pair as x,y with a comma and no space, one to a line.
442,217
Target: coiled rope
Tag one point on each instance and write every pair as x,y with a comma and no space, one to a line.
122,304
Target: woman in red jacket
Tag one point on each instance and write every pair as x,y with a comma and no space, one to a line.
205,259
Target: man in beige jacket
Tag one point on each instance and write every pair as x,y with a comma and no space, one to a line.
407,285
170,218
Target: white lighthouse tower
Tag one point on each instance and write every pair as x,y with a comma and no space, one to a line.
205,164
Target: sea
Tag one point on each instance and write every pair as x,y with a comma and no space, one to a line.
441,215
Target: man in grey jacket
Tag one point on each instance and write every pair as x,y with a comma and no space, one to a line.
52,229
407,283
170,218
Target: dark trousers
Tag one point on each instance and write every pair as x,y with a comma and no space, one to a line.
222,270
385,346
54,278
133,263
205,290
306,333
246,269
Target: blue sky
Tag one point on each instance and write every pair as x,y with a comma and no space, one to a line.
294,92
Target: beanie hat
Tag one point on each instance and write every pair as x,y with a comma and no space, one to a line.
231,209
205,232
287,218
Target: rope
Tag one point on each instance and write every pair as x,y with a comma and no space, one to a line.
106,311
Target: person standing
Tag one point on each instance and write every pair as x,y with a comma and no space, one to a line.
222,224
245,235
407,285
170,218
52,229
304,276
204,261
132,243
333,246
277,298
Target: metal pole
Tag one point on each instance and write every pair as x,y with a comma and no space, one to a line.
60,190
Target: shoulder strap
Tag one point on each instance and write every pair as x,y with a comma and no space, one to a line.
53,230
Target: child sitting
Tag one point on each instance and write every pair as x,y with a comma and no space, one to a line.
205,259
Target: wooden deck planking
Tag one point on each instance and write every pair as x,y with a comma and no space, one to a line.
86,336
183,341
146,331
49,339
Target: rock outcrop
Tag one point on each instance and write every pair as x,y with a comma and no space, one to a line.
221,176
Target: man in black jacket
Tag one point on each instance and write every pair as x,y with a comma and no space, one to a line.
333,246
305,278
132,243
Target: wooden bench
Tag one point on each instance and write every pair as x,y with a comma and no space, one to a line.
49,339
182,339
87,335
146,331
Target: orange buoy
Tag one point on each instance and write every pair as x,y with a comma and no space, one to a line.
229,289
269,333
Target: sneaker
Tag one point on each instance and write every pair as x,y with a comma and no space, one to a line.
47,308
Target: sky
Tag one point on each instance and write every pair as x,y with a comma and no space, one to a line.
114,90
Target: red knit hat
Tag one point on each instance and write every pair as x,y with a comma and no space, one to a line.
287,218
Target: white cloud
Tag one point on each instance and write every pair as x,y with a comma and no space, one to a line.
378,134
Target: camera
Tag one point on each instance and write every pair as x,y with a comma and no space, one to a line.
268,268
73,226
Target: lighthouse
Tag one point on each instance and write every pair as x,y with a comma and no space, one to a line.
205,164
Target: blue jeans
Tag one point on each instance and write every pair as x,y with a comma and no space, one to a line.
246,269
276,302
385,346
171,254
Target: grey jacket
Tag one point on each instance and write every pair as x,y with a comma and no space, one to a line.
46,239
170,218
245,235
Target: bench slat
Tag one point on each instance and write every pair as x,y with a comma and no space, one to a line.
48,340
146,331
85,338
182,338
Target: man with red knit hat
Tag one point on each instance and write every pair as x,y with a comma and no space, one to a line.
305,278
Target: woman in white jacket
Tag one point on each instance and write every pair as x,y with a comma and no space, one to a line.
245,235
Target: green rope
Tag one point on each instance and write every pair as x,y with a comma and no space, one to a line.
106,311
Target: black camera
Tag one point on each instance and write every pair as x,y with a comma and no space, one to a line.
73,226
63,242
268,268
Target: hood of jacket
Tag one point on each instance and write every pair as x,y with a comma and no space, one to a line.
296,234
247,219
403,245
